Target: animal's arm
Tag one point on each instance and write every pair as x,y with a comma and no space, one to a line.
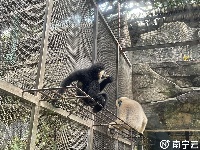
94,89
105,82
74,76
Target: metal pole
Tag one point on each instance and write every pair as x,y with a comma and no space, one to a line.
95,34
118,53
94,59
132,144
40,76
117,65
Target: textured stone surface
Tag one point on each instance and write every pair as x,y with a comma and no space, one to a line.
150,86
183,73
168,33
169,86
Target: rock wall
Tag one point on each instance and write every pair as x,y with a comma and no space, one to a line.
168,33
170,94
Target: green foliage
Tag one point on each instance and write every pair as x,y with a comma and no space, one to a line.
46,137
16,144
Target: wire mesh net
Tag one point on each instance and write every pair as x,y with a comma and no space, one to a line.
58,132
21,27
107,54
122,146
14,122
103,141
70,40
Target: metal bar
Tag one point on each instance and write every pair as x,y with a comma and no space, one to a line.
117,66
94,59
43,89
13,90
125,57
132,144
40,76
195,42
180,130
95,34
105,22
64,113
90,134
106,124
117,54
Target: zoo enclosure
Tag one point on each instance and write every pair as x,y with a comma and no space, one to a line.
41,43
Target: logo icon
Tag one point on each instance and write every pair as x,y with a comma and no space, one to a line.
164,144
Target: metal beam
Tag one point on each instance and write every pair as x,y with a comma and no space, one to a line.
180,130
13,90
94,59
40,76
95,35
195,42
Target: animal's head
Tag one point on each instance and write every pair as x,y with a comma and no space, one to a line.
98,71
120,100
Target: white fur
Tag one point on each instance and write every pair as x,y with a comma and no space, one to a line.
131,112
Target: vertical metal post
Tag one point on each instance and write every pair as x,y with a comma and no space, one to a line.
132,144
95,34
94,59
90,135
40,76
117,53
117,65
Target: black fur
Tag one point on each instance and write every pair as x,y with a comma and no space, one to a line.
88,82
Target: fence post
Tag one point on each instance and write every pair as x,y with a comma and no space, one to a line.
40,76
94,58
95,34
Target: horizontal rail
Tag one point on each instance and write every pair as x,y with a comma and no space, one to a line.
180,130
195,42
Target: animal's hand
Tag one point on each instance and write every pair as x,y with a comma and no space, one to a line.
109,79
